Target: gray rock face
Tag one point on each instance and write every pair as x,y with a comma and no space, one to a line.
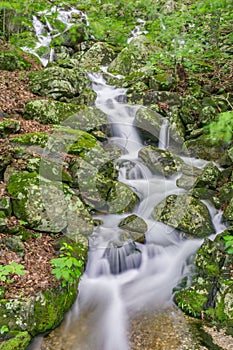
185,213
100,54
121,199
134,227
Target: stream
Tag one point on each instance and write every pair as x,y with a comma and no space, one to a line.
125,296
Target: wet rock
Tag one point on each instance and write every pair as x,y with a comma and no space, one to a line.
210,294
186,181
205,185
160,161
134,227
225,193
132,57
47,206
58,83
228,212
9,126
100,54
149,123
185,213
202,148
121,198
15,340
13,60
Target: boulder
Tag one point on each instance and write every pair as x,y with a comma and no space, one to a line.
9,126
185,213
48,206
132,57
13,60
209,177
160,161
228,212
134,227
58,83
15,340
210,294
100,54
149,123
121,198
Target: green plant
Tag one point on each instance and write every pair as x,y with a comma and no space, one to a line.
11,269
228,244
4,329
221,129
67,267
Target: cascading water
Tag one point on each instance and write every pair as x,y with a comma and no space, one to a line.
124,279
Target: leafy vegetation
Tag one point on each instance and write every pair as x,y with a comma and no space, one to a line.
11,269
67,267
228,243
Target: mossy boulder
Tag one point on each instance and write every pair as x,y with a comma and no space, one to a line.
93,175
185,213
149,123
132,57
160,161
100,54
201,147
48,206
34,138
9,126
5,205
134,227
58,83
228,212
5,160
13,60
3,221
209,177
15,341
210,294
39,313
190,110
121,198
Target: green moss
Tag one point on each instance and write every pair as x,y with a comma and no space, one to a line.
15,341
13,60
191,301
35,138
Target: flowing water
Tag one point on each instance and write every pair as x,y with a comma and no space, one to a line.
121,282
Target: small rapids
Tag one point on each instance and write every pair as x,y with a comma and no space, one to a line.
125,284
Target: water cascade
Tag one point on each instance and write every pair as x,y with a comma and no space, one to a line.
122,279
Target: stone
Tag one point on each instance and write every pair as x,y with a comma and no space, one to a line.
148,122
48,206
15,340
134,227
209,177
202,148
185,213
228,212
190,110
9,126
132,57
121,199
5,205
100,54
58,83
160,161
3,221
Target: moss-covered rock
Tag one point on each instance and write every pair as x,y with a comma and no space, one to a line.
58,83
13,60
134,227
48,206
160,161
132,57
9,126
185,213
5,205
5,160
121,198
210,294
15,341
149,123
34,138
39,313
100,54
201,147
228,212
3,221
209,177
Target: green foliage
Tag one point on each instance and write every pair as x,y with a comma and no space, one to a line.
4,329
11,269
66,267
221,130
228,244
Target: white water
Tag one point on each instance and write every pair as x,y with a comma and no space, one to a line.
106,300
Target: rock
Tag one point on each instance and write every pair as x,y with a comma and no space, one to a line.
93,175
100,54
39,313
228,212
149,123
48,206
190,110
5,205
186,181
5,160
3,221
185,213
69,115
58,83
226,193
135,228
34,138
160,161
202,148
14,244
209,177
150,98
132,57
207,115
9,126
121,198
210,294
13,60
15,341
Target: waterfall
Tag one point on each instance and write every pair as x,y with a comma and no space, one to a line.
164,135
124,278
